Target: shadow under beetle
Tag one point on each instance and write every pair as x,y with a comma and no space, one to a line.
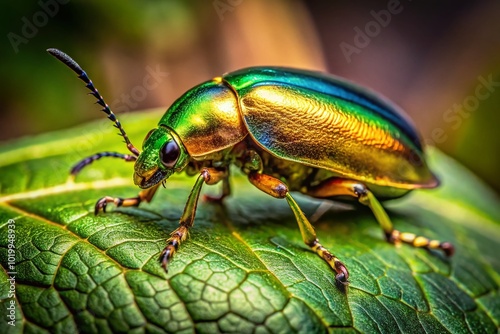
288,130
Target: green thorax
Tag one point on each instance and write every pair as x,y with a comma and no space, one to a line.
206,119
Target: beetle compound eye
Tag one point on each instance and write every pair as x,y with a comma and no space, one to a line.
169,154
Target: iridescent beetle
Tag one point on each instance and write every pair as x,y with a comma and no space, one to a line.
288,130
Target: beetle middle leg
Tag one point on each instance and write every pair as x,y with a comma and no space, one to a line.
344,187
274,187
209,176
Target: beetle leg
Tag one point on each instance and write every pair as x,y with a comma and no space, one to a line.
226,191
144,196
342,187
209,176
278,189
88,160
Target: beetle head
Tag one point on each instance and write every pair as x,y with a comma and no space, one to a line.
162,155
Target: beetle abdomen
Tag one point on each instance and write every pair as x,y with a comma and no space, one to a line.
352,138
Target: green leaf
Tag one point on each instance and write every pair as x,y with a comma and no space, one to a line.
244,267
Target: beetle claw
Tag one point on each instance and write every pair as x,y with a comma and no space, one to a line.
342,273
103,203
164,256
341,279
447,248
100,205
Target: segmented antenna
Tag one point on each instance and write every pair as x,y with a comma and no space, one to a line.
68,61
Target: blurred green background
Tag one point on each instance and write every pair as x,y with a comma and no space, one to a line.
439,61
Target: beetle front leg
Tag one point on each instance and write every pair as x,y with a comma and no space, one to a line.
278,189
343,187
145,195
209,176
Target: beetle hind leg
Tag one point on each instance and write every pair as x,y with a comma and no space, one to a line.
278,189
343,187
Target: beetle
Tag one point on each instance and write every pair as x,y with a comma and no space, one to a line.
287,130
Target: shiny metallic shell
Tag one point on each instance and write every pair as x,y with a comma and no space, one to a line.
326,122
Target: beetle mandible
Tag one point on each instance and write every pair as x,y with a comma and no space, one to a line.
288,130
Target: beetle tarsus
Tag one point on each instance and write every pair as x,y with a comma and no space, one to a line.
145,195
396,236
173,243
118,201
342,275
